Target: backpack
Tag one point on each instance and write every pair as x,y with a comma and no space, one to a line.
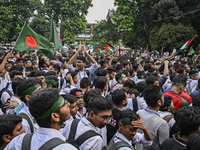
82,138
25,116
26,143
116,146
187,88
168,118
135,104
2,106
86,71
3,90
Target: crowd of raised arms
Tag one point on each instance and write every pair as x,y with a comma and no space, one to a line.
90,101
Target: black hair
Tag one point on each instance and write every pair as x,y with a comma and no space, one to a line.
125,72
114,61
13,73
118,75
131,71
80,57
151,79
50,73
8,123
125,63
110,70
193,142
17,67
85,82
103,61
140,74
88,94
196,101
118,96
56,67
54,78
15,83
167,103
101,72
135,66
129,83
100,82
180,79
118,67
150,95
98,104
70,98
141,86
192,72
39,73
128,113
188,120
25,85
40,102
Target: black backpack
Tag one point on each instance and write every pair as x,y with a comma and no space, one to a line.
82,138
3,90
26,144
2,106
86,71
116,146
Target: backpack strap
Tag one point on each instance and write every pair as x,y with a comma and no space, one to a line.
87,72
73,129
120,144
25,116
26,143
135,104
168,118
51,144
9,92
88,134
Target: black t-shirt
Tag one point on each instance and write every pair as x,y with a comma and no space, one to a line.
113,126
173,144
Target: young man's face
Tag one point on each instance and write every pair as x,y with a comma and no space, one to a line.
73,109
80,102
102,118
42,78
75,79
112,75
80,64
64,112
18,130
129,131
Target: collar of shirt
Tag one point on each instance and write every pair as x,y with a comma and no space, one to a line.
121,136
88,123
51,132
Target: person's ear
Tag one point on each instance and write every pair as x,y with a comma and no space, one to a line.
159,102
92,115
7,138
55,117
27,97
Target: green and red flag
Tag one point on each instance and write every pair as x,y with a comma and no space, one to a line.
55,37
191,51
29,40
187,43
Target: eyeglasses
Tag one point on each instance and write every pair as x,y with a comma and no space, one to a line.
65,103
105,118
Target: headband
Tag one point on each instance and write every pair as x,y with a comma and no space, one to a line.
171,68
120,77
28,61
79,93
126,121
195,74
53,108
29,90
180,84
51,81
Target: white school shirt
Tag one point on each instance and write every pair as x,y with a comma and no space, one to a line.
82,74
78,115
25,123
93,143
39,138
13,98
138,138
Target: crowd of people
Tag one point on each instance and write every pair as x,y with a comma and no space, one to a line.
90,101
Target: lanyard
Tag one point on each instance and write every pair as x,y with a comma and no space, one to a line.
152,112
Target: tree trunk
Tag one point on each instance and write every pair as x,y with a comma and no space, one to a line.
61,28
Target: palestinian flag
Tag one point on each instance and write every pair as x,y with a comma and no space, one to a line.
29,40
55,37
187,43
108,49
191,51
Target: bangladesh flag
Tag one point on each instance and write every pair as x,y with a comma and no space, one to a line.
96,48
55,37
191,51
29,40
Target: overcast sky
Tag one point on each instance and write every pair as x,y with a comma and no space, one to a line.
99,10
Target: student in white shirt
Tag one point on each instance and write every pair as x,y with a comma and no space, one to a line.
50,110
99,113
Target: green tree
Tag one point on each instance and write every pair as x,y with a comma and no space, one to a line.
71,13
